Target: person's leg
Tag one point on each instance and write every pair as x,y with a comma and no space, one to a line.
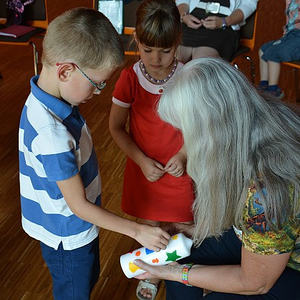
212,251
204,52
273,72
146,293
273,89
263,68
286,287
184,54
179,291
74,272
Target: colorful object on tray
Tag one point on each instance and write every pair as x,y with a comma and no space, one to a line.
179,247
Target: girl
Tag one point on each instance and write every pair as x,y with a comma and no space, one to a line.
156,187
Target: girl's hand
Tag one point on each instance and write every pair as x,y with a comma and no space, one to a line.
191,21
151,237
176,165
212,22
187,229
152,169
171,271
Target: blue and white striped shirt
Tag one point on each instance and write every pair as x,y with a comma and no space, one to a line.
55,144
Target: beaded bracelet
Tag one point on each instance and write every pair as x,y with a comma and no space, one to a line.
185,272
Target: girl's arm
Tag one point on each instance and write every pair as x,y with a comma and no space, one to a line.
256,274
152,169
74,194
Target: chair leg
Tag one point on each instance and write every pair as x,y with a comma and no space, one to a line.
252,67
35,58
296,84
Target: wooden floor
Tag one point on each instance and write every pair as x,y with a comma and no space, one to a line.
23,274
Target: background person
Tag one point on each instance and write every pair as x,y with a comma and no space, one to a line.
287,48
211,29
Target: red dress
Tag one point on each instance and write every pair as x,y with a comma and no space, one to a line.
170,198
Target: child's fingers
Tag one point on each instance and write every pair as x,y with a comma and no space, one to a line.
166,237
159,166
170,167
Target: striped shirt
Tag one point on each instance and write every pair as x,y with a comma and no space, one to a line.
55,144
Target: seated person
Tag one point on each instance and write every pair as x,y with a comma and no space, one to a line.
287,48
211,29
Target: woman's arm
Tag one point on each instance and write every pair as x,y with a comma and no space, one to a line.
213,22
241,10
185,17
256,274
247,7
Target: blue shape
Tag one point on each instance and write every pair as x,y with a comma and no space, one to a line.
148,251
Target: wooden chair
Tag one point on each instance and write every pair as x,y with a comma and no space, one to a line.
247,43
36,15
296,66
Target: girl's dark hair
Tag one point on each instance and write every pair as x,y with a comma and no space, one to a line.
158,23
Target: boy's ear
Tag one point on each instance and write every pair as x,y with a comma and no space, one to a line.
64,71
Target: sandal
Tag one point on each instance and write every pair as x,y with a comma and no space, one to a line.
146,284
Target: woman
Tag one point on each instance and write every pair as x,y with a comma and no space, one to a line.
244,157
211,28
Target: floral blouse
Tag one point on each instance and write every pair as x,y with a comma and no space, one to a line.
259,238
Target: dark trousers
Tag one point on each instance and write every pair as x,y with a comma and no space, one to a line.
74,272
224,251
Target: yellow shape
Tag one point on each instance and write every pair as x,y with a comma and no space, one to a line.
175,237
133,268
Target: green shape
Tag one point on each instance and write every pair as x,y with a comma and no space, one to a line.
172,256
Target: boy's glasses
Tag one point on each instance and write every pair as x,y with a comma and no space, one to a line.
99,87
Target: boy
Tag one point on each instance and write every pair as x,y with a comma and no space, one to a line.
59,179
285,49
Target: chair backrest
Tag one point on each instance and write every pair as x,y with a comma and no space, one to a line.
36,14
248,31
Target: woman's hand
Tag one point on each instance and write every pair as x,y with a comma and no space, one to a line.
151,237
152,169
212,22
171,271
191,21
176,165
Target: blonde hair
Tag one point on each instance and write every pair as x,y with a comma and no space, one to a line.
84,36
233,136
158,23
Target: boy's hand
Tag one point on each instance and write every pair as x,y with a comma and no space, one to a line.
153,238
152,169
176,165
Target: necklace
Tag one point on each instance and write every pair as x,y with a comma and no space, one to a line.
157,81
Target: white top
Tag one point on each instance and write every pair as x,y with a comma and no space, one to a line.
246,6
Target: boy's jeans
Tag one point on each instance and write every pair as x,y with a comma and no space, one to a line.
74,272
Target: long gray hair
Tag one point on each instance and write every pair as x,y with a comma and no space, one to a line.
233,136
